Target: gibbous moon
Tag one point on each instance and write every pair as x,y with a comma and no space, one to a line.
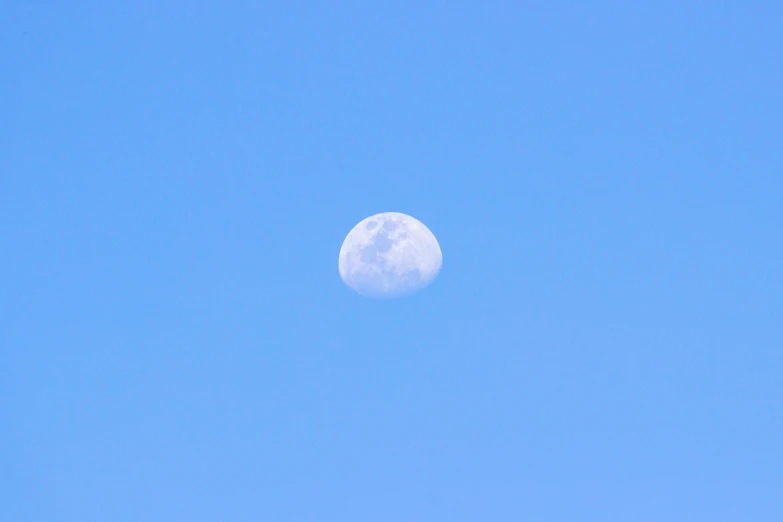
389,255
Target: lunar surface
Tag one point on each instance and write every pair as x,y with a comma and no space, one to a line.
389,255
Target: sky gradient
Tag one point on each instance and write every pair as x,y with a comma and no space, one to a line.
603,341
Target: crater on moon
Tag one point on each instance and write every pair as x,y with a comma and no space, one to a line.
389,255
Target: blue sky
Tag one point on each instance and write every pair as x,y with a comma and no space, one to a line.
602,343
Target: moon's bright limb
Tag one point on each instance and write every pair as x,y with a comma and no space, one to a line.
389,255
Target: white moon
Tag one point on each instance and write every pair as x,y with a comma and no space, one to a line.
389,255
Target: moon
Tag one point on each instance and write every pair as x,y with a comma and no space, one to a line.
389,255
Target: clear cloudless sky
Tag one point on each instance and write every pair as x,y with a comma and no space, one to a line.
604,341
